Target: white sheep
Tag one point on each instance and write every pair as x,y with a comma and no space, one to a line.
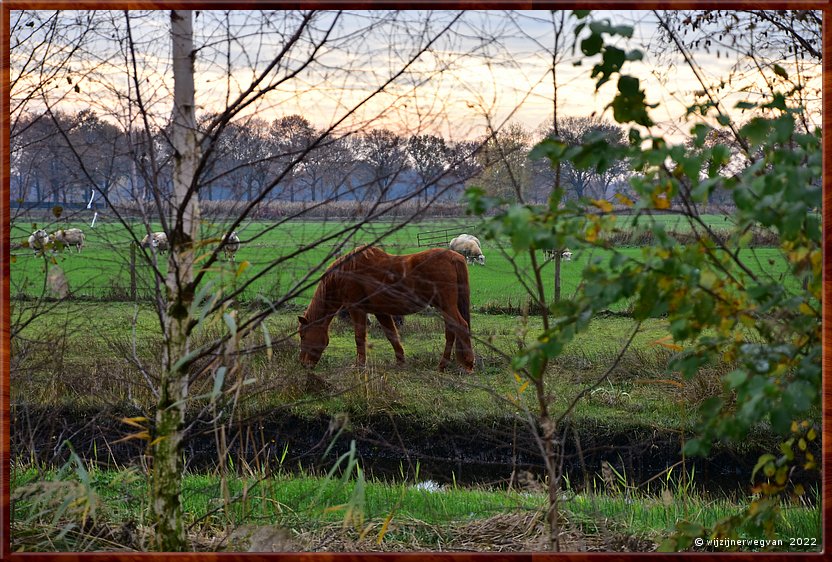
468,246
231,245
156,241
38,241
70,237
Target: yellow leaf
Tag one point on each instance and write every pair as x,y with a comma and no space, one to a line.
523,387
667,342
811,434
816,257
726,324
242,267
801,444
780,478
624,200
660,200
794,427
805,309
798,489
518,378
155,441
602,204
707,279
135,422
747,321
384,526
592,233
140,435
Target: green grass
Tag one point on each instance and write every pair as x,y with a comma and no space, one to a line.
103,270
75,356
303,503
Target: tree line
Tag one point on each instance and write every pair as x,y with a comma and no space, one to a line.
58,160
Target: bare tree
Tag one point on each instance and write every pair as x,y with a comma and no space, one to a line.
580,182
507,170
383,156
429,157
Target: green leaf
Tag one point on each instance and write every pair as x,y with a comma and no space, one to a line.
736,378
628,85
799,396
219,378
755,130
696,447
761,462
592,45
780,71
781,420
230,322
634,55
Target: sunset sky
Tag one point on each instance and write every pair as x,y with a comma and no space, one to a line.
488,69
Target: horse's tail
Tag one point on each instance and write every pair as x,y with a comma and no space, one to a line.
463,291
463,303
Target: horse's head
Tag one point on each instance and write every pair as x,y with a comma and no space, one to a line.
314,337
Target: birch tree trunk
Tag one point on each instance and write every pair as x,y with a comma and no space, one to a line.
170,410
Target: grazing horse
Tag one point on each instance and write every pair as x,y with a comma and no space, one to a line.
371,281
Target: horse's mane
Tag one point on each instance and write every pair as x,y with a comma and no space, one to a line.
343,264
364,251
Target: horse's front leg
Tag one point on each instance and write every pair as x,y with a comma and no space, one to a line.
359,325
392,334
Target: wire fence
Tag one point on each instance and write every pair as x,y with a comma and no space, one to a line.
123,271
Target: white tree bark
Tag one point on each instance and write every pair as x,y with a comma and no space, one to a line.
170,411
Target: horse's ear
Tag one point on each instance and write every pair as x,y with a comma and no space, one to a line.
303,321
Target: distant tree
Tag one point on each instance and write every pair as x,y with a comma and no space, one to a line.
244,154
429,157
383,155
290,136
578,181
327,169
463,163
506,169
101,145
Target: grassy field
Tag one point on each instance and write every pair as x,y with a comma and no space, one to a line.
350,512
84,354
70,370
103,270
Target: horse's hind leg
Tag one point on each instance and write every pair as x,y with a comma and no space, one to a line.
450,336
457,333
389,327
359,324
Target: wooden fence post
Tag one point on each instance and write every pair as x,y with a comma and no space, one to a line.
133,292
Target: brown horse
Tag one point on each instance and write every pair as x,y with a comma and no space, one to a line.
371,281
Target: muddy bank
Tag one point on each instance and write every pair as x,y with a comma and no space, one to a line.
389,447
